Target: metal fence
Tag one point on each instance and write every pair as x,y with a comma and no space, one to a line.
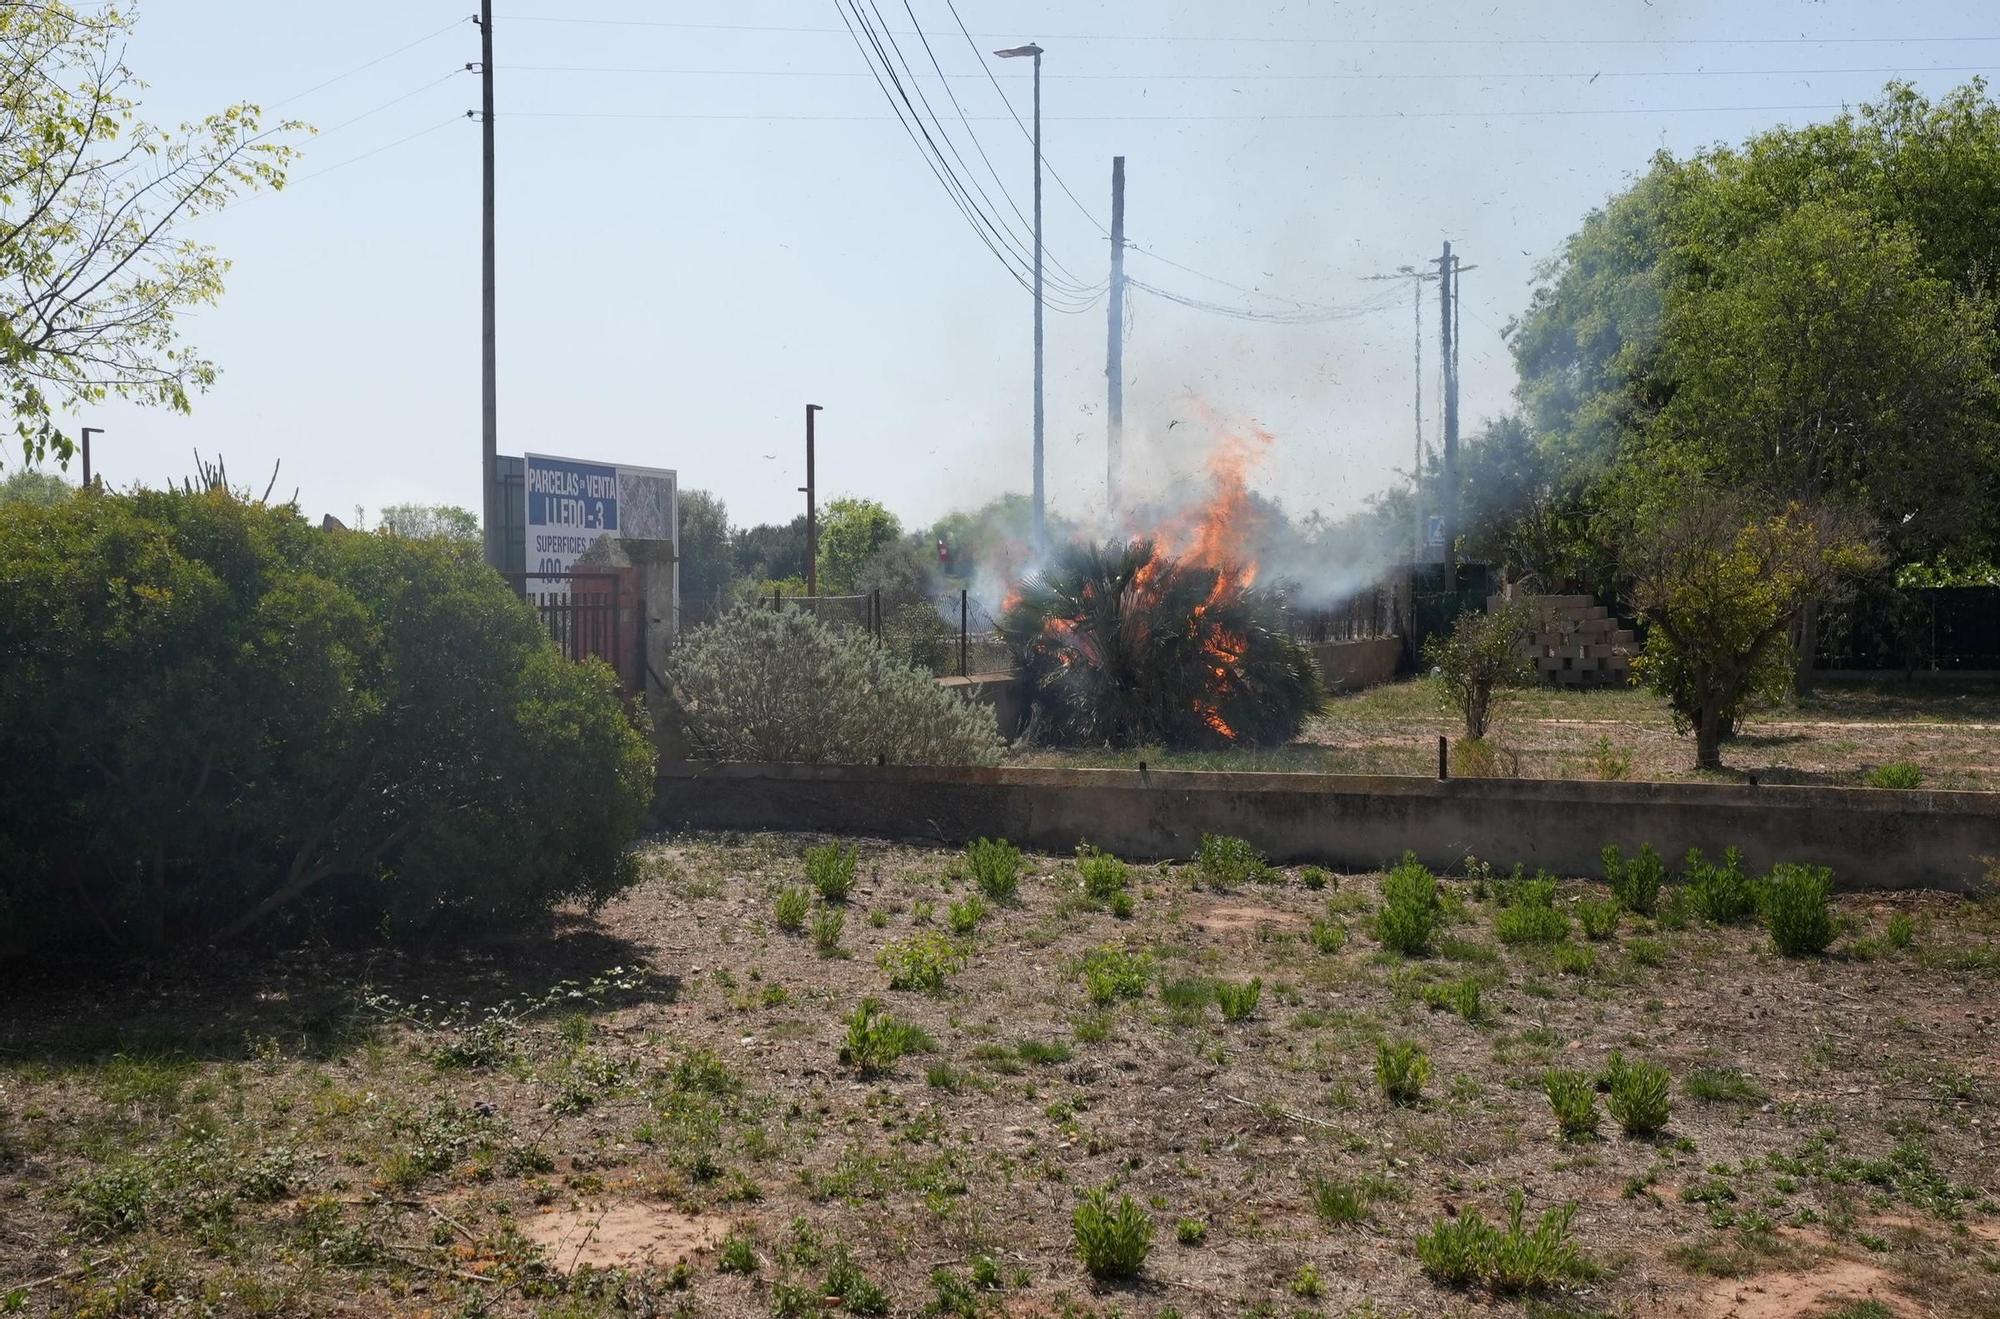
1933,627
591,615
1363,617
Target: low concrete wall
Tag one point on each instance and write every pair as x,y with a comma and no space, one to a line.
1002,691
1871,839
1348,666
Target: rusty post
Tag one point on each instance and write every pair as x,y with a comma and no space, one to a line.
1444,752
963,614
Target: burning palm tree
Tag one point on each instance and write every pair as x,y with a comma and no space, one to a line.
1124,646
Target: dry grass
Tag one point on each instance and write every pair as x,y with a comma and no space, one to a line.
267,1138
1836,735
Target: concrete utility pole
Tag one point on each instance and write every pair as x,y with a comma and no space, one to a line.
489,356
1040,522
811,488
1447,289
88,431
1114,355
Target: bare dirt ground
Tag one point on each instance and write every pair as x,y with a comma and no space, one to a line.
1837,734
646,1111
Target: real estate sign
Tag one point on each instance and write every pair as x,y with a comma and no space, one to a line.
573,503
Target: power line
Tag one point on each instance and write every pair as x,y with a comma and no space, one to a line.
1288,40
365,114
1206,118
360,68
1420,76
1301,315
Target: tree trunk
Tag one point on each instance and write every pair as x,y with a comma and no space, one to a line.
1708,739
1808,648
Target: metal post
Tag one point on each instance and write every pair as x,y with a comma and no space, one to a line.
963,615
1447,279
88,431
812,509
1114,357
489,391
1444,752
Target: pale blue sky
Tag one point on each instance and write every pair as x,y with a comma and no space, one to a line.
673,289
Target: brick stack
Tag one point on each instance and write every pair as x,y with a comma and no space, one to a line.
1576,643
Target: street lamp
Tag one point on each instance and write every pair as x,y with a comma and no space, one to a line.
1017,52
811,491
88,431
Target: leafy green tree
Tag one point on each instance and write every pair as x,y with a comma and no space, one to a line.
241,725
1482,652
771,551
95,262
708,561
1720,586
27,486
851,532
447,522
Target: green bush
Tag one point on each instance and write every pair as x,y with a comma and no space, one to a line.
1511,1258
1104,875
1599,918
764,684
964,917
1796,910
1113,1238
1110,973
1641,1097
1226,862
1635,882
223,722
1338,1203
1480,653
875,1040
828,922
1462,996
1530,922
1411,910
1902,931
1897,774
1238,999
1573,1098
791,907
995,864
1720,894
922,961
1327,935
1402,1069
830,869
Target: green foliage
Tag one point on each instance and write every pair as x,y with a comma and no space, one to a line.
1327,935
1238,999
875,1040
1572,1096
851,532
1104,875
1123,647
1191,1232
1901,931
790,908
1411,910
922,961
446,522
1599,917
1110,974
1641,1097
1607,761
963,917
707,563
25,485
1896,774
1480,653
830,869
1462,996
1530,922
97,257
996,867
738,1254
1721,1085
779,685
1720,894
1401,1069
851,1289
1113,1238
1226,862
1635,883
240,724
1316,878
1797,911
1509,1258
1338,1202
827,925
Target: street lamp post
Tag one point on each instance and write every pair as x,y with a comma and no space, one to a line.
1016,52
88,431
811,490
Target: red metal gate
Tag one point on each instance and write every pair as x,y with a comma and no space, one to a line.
596,614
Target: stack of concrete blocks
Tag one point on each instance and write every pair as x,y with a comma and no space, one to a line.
1576,643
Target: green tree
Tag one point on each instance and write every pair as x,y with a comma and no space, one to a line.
1481,653
95,262
446,522
851,532
708,560
1720,586
27,486
771,551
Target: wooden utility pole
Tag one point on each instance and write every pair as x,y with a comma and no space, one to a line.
489,430
1114,353
811,488
1447,288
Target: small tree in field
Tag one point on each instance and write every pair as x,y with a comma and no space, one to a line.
1481,653
1721,588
